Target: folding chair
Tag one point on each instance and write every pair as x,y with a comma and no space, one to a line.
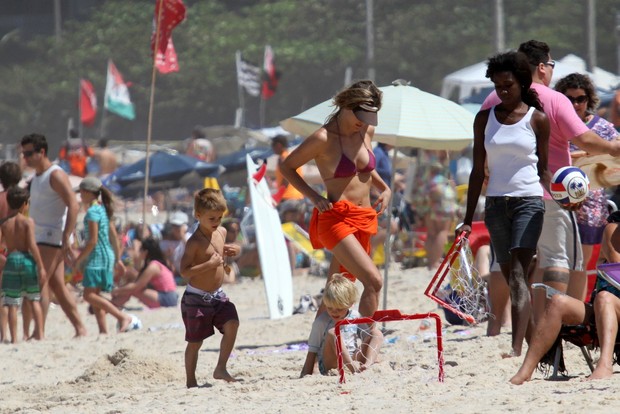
582,336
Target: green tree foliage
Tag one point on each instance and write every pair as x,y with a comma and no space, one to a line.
314,42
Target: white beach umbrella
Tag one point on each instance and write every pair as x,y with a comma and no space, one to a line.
409,117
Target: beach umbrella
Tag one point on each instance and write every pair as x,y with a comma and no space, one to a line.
166,170
409,117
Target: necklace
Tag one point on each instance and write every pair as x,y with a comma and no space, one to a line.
226,265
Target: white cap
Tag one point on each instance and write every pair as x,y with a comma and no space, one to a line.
178,218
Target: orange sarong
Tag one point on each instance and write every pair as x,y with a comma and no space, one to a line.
329,228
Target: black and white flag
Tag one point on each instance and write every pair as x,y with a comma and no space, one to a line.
248,76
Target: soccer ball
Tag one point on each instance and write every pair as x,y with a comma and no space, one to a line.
569,185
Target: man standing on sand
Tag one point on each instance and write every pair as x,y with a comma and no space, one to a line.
559,247
54,208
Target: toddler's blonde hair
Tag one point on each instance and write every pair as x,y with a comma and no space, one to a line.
340,292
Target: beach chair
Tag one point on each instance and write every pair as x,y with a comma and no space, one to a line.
582,336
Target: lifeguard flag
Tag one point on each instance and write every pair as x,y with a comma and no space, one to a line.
270,80
88,103
117,98
172,14
167,62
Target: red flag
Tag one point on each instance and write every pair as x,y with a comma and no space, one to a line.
270,83
88,103
167,62
172,14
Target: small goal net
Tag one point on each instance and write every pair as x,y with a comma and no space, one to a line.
465,293
405,348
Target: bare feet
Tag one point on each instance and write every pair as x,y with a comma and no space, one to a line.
80,332
222,374
601,372
191,384
511,354
519,379
124,323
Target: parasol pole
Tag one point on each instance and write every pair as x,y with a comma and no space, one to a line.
149,132
387,247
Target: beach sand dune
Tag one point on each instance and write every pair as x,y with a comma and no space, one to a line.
142,371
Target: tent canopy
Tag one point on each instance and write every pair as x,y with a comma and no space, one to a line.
470,80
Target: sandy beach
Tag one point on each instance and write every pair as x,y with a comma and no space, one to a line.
142,371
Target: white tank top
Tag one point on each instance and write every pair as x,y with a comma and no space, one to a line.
47,209
512,159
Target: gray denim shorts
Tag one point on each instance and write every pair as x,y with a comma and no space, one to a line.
513,222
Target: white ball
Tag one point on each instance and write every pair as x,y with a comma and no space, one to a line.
569,185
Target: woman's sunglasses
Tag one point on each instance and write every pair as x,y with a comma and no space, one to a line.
578,99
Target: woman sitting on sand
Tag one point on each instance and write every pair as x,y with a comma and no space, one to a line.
155,285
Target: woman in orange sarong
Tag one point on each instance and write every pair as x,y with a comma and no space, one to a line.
344,221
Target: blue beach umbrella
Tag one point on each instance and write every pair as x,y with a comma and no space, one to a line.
166,170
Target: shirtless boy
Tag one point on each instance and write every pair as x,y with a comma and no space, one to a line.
205,306
22,264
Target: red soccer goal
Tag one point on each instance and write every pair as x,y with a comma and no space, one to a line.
382,316
445,270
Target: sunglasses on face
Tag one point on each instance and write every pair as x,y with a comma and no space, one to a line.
551,63
578,99
28,154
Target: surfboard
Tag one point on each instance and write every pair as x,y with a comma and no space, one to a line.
272,251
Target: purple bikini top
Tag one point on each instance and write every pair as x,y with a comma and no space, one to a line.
347,168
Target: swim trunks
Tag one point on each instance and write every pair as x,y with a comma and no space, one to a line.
19,277
202,312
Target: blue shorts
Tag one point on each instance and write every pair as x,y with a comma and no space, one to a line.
168,299
513,222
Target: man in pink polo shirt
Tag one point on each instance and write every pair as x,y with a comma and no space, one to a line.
559,247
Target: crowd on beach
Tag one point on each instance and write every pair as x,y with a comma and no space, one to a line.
524,132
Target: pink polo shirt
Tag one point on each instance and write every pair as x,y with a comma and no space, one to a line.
564,121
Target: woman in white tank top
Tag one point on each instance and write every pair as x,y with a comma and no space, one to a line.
513,139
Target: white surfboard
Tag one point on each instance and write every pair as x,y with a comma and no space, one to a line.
274,260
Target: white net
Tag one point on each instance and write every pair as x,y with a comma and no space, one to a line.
410,348
465,295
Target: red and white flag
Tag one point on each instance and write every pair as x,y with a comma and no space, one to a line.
167,62
88,103
270,81
172,14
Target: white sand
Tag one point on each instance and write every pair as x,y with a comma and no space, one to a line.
142,371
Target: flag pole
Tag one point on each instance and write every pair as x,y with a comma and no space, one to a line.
80,131
262,105
240,90
149,132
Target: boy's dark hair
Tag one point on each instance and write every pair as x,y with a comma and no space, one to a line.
38,141
17,197
280,139
10,174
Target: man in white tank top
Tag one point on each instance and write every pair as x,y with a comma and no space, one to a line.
54,209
